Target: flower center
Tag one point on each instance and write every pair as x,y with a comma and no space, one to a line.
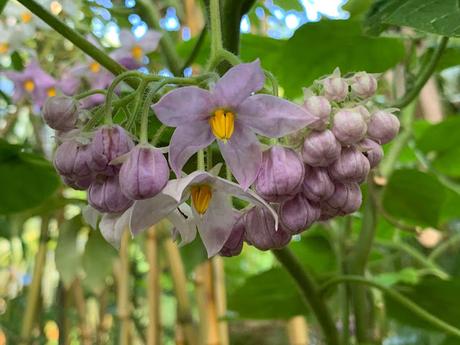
137,52
201,196
4,47
26,17
51,92
222,124
94,67
29,85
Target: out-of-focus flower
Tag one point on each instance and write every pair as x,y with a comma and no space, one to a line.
136,48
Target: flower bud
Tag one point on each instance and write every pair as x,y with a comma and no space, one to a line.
109,142
105,195
72,160
346,199
335,88
144,174
372,151
234,243
364,85
61,112
260,230
317,184
363,111
320,148
280,175
78,183
351,166
349,126
319,107
383,126
298,214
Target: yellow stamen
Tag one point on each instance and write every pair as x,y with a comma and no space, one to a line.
26,17
137,52
51,92
94,67
4,46
29,85
222,124
201,196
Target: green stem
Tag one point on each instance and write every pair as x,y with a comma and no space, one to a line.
216,28
309,290
196,49
200,161
209,157
423,76
145,112
90,93
156,138
397,297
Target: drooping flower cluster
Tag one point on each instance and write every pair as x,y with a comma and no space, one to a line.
285,188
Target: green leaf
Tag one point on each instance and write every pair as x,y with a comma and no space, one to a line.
439,137
68,259
357,7
97,261
407,275
290,5
448,162
26,180
2,5
415,197
268,295
450,58
193,254
435,16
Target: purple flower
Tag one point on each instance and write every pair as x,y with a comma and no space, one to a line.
298,214
372,150
349,126
61,113
383,126
363,84
211,211
234,243
346,199
317,184
136,48
335,88
351,166
105,195
320,148
231,114
32,82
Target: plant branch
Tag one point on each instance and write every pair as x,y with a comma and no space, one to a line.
196,49
309,290
216,27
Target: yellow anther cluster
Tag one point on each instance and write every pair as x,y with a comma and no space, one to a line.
4,46
26,17
137,52
222,124
29,85
94,67
201,196
51,92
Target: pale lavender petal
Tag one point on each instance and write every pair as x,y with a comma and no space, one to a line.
112,227
184,105
177,188
187,140
149,42
272,116
146,213
239,83
243,155
185,226
127,39
91,216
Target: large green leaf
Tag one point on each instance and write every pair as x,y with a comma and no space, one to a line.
441,136
26,180
415,197
435,16
268,295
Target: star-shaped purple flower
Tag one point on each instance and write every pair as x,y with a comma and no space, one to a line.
231,113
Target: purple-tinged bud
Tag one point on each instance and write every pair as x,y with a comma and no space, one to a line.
349,126
260,230
383,126
372,150
72,160
144,173
298,214
320,149
346,199
364,85
351,166
61,112
363,111
78,183
234,243
335,88
281,174
109,142
317,185
319,107
105,195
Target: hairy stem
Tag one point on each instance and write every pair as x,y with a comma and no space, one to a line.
216,27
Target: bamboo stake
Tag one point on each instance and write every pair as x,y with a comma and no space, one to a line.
80,304
298,331
123,304
33,293
220,297
64,322
153,289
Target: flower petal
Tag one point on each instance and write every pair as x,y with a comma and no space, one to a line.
112,226
187,140
148,212
239,83
149,42
184,105
243,155
185,226
176,188
216,225
91,216
127,39
272,116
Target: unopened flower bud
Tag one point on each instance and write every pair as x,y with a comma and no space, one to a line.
383,126
105,195
363,111
234,243
108,143
320,148
335,87
261,232
346,199
280,175
319,107
317,184
349,126
351,166
78,183
364,85
144,173
61,112
72,160
298,214
372,150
